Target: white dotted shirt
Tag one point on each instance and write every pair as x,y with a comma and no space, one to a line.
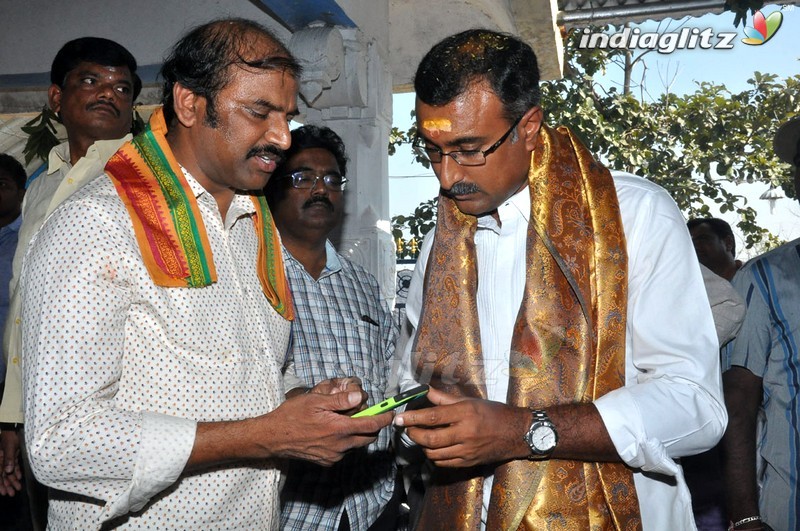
118,371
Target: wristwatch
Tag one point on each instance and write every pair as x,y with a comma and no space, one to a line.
541,436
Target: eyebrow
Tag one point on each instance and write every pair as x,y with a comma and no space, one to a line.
271,106
457,143
92,73
308,168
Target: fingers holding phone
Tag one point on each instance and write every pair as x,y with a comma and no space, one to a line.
350,384
463,432
316,427
394,402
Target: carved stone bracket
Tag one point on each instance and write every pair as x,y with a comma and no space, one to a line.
334,66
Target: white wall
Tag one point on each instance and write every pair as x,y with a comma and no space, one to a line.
32,31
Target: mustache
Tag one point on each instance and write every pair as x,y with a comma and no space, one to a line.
107,104
319,199
275,153
461,188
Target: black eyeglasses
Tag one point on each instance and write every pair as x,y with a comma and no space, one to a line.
306,179
469,157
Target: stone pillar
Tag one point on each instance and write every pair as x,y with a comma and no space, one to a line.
347,86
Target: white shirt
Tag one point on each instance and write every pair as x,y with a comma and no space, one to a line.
727,306
672,402
118,371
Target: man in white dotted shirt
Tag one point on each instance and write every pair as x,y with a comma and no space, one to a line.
157,314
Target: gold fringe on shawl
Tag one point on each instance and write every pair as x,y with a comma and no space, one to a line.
168,225
568,345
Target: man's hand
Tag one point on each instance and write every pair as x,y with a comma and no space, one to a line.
313,426
342,385
329,387
465,432
317,426
11,472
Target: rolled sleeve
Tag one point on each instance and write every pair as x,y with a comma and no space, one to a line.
672,404
167,443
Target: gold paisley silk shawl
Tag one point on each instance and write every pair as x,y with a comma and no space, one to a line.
167,222
568,345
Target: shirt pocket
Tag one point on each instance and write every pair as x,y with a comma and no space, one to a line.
363,342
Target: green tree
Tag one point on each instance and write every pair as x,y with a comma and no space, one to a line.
689,144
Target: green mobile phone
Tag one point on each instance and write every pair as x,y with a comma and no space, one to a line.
393,402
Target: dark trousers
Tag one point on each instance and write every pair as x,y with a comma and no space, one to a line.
389,519
37,493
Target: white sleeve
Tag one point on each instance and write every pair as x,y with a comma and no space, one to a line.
672,402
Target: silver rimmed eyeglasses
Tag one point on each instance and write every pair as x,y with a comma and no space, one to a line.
465,157
306,179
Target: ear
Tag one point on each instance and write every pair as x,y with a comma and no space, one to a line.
189,107
54,98
728,241
531,123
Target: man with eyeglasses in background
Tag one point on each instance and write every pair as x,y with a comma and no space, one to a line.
341,327
558,314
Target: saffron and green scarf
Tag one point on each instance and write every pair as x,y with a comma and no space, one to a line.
167,222
568,345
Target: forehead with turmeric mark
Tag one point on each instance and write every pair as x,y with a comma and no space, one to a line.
434,126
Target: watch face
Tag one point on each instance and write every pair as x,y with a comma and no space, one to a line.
543,438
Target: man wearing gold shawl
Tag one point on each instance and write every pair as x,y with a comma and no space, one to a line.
156,313
557,312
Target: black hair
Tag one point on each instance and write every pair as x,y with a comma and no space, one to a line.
718,226
96,50
200,61
12,167
507,63
305,137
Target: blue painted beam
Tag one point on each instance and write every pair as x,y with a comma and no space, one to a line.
297,14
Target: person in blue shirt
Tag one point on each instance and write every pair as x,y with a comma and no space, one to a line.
762,457
12,190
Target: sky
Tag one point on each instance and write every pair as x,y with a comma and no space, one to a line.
679,71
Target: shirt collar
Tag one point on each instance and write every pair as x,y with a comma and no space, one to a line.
332,262
14,225
58,158
102,150
242,204
516,206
